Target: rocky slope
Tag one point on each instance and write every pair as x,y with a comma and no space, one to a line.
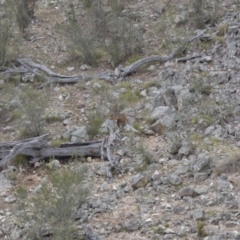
179,179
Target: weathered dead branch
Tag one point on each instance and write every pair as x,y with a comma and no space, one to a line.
119,74
112,140
37,149
184,59
13,149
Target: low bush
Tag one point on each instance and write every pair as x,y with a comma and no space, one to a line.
48,213
33,104
95,120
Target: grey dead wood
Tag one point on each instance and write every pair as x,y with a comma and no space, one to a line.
108,145
37,149
18,148
185,59
26,65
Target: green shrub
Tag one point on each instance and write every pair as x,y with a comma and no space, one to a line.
107,31
81,44
33,104
5,30
123,40
22,17
81,41
95,120
25,14
198,7
49,211
205,12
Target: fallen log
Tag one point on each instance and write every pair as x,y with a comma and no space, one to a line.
37,149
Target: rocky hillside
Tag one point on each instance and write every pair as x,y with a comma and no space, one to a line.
179,163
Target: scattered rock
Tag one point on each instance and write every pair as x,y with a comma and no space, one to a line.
132,225
70,69
10,199
187,192
54,165
140,180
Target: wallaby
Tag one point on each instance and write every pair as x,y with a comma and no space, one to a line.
122,122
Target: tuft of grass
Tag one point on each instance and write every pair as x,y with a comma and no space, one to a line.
125,84
137,126
229,165
20,160
140,168
40,77
222,28
206,90
207,119
130,97
214,141
201,232
52,118
146,156
150,84
146,116
132,59
195,120
211,213
219,39
202,88
57,142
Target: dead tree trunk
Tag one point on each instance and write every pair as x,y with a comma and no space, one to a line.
37,149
